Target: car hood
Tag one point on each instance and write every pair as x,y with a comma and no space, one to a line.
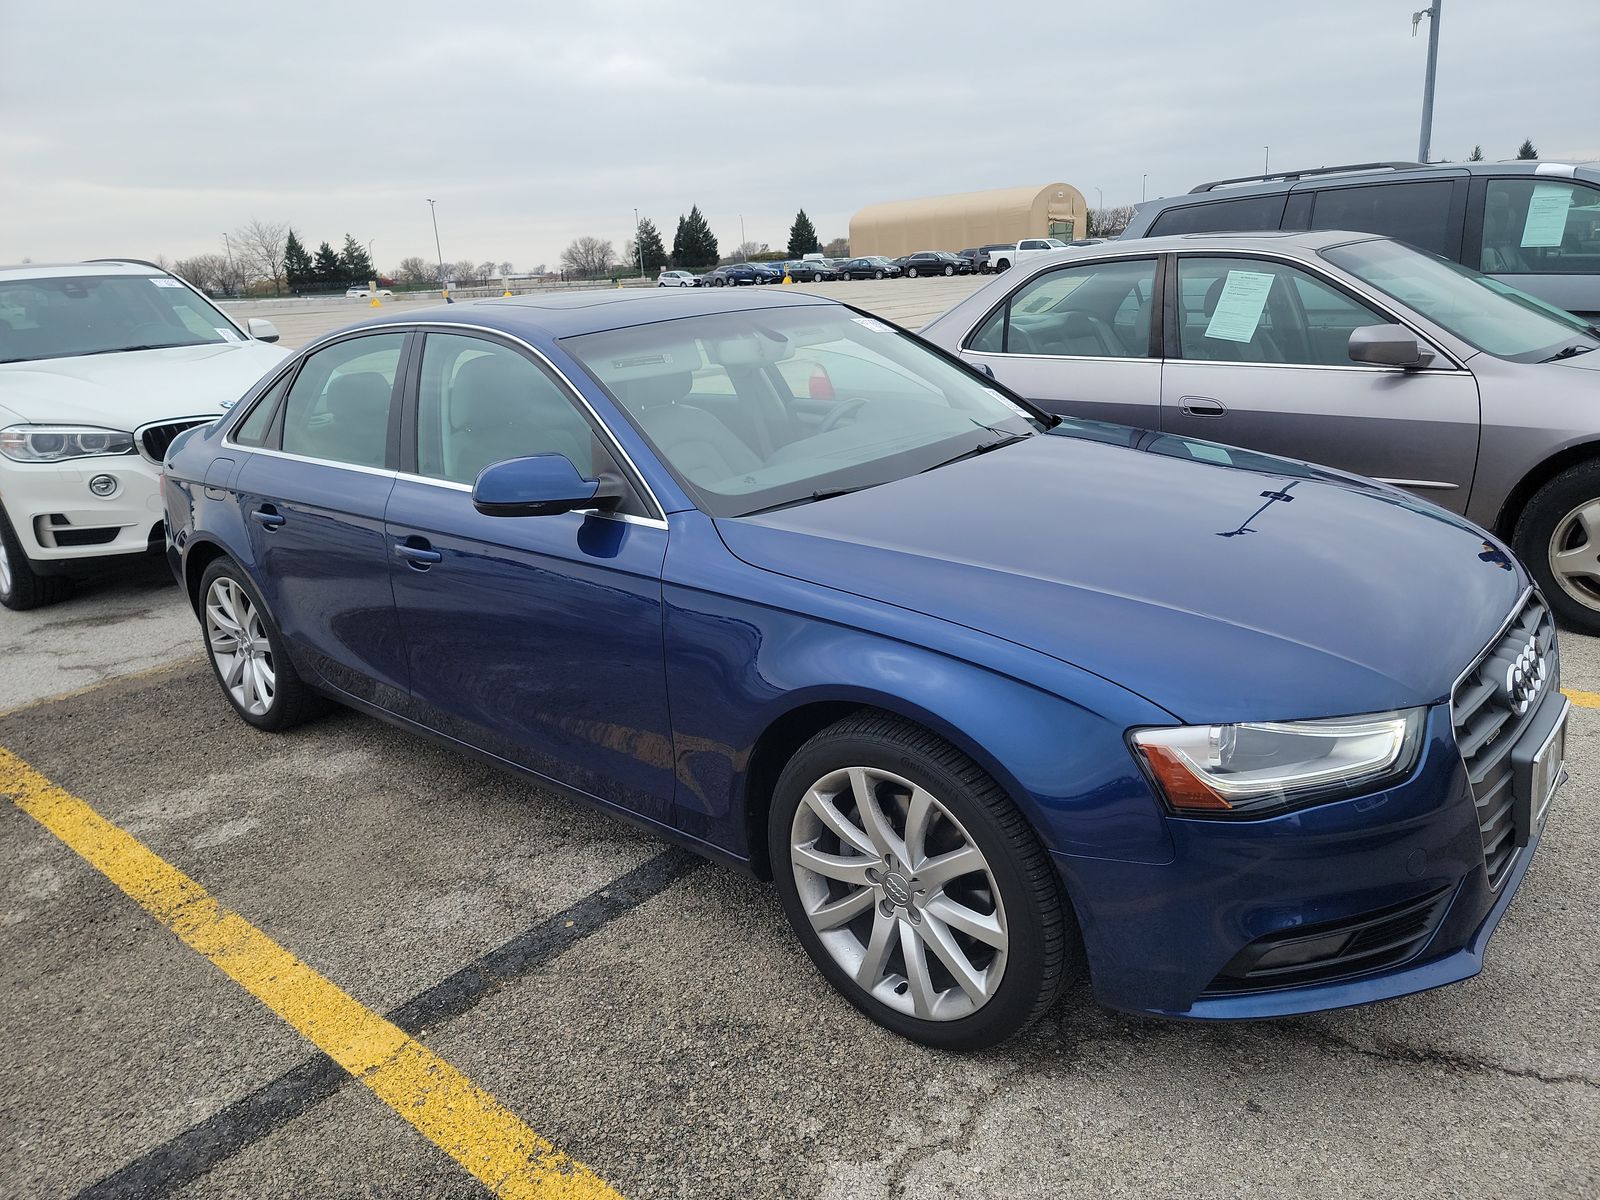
1588,361
124,391
1219,593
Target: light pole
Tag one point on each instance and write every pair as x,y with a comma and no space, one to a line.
742,255
638,246
1266,161
1424,143
370,263
1142,178
233,276
438,253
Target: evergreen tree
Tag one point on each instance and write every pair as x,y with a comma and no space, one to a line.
678,259
1476,155
698,244
803,237
649,247
1526,150
355,261
326,270
296,263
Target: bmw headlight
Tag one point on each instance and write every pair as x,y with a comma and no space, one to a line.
53,443
1261,767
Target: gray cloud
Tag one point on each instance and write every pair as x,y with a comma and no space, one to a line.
151,129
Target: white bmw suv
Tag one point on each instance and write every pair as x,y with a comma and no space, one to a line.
102,364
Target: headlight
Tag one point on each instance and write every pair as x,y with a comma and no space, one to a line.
1257,768
52,443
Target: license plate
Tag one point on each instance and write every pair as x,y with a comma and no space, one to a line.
1544,778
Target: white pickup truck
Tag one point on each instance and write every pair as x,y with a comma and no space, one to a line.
1006,255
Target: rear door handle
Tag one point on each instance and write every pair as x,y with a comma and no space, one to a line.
1202,406
268,517
417,553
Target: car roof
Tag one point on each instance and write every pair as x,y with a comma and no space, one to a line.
1323,177
1270,240
570,314
72,270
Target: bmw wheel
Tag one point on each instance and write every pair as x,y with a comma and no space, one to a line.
21,587
916,886
1558,539
246,652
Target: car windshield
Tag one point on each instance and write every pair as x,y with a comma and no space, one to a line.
68,316
769,407
1490,315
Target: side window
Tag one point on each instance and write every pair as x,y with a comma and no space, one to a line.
1221,216
1418,213
252,431
480,402
1099,310
1253,311
1540,227
338,407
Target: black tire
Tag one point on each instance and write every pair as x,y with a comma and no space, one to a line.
911,272
1043,948
293,701
1575,602
22,587
877,274
949,270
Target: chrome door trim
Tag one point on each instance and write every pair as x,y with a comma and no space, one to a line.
306,458
1435,484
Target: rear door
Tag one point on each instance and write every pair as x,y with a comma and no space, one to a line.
1078,340
313,496
1258,356
1426,213
1539,234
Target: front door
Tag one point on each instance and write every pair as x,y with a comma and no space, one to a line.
537,639
1076,341
313,496
1258,356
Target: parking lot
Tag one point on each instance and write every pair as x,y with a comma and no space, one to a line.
648,1014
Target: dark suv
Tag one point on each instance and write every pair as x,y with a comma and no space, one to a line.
1536,225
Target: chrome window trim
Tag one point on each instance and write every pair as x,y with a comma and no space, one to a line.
320,462
1364,368
451,485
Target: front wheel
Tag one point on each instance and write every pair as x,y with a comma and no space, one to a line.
949,270
877,274
247,652
916,886
21,587
1558,539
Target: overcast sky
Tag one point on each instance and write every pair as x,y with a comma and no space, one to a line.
148,129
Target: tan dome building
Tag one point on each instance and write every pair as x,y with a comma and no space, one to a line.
969,219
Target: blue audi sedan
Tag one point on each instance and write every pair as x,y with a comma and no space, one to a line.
997,702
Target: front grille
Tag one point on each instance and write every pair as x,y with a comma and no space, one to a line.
1370,941
1489,717
154,440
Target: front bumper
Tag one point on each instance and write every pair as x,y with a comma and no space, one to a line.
1162,938
60,522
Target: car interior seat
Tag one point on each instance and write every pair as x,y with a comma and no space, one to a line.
1501,236
1262,347
501,407
357,426
694,441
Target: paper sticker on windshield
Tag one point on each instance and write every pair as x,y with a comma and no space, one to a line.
166,283
1011,404
1238,312
1546,224
227,335
874,326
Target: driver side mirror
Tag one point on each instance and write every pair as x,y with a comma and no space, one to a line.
1388,346
540,486
261,329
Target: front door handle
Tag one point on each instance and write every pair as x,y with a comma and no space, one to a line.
417,553
1202,406
268,517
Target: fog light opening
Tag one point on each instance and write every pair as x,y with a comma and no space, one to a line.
103,485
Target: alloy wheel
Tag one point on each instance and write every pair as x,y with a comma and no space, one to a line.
5,569
899,894
239,646
1575,553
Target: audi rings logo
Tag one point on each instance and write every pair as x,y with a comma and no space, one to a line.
1524,677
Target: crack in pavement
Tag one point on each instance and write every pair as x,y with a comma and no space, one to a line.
1388,1050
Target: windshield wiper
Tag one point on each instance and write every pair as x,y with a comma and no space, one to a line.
1568,352
821,494
1006,440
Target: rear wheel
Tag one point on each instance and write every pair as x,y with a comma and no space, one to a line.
916,886
21,587
247,652
1558,539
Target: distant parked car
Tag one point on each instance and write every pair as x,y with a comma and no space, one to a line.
871,267
1353,350
1535,225
102,365
733,274
1006,255
675,279
811,271
979,260
935,262
361,293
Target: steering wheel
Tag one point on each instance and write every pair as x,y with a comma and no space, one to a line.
845,408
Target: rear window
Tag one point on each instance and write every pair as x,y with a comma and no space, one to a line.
1221,216
1415,213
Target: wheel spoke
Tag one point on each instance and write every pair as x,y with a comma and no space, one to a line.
1589,518
919,816
937,872
836,821
235,672
252,685
985,927
873,819
917,975
845,868
1583,562
835,913
942,942
870,969
222,619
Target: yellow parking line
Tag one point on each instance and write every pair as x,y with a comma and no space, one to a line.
459,1117
1582,699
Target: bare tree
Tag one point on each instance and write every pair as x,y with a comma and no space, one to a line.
507,269
416,270
259,248
1109,222
588,256
745,250
208,272
538,271
485,272
838,248
461,272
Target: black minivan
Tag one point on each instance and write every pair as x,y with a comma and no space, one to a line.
1536,225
